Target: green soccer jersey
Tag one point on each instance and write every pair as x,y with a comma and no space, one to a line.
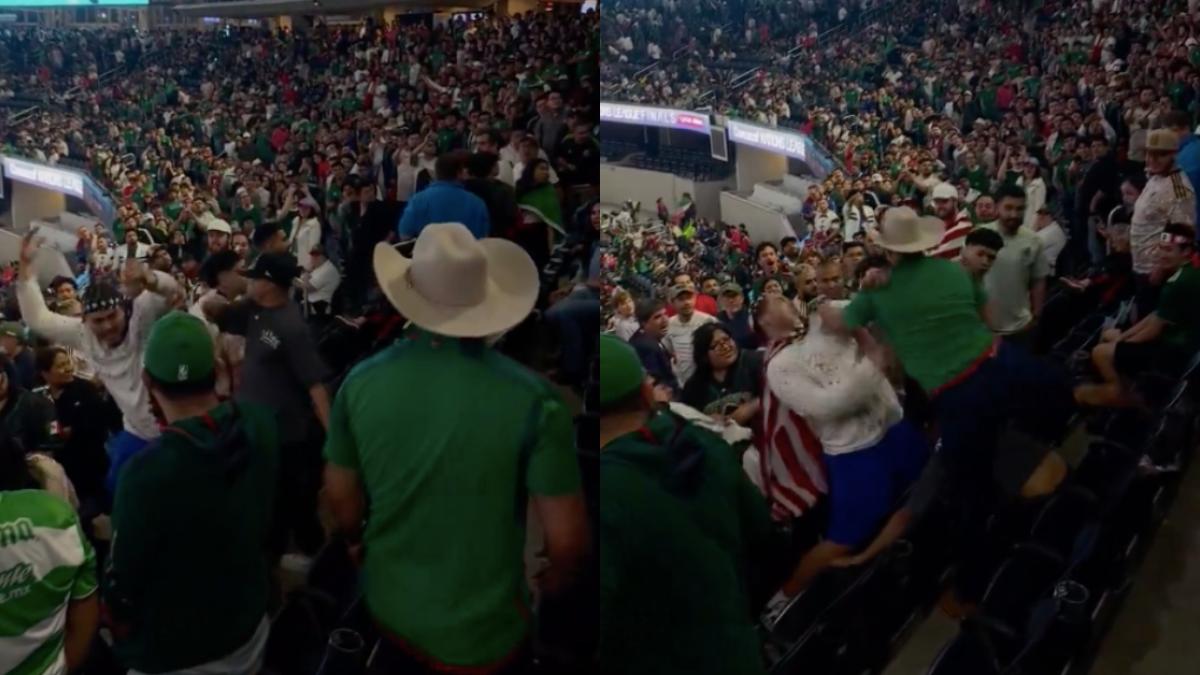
45,563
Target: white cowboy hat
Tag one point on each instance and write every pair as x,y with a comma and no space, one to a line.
903,231
457,285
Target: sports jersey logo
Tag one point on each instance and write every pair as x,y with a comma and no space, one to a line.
16,531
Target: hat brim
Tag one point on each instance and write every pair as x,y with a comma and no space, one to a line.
511,292
930,231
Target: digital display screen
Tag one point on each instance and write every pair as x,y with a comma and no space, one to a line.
788,143
651,116
26,4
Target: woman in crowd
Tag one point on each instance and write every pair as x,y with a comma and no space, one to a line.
84,421
541,211
728,380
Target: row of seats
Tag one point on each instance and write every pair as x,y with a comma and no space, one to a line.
1058,568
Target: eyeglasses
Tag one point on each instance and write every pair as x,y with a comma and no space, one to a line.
721,343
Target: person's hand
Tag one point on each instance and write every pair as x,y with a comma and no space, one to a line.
663,393
848,561
1111,335
30,244
876,277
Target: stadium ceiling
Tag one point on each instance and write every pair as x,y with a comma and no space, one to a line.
264,8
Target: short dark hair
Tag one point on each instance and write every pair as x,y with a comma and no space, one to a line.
989,239
1182,230
853,244
764,246
480,164
263,233
492,137
215,264
60,280
1137,180
44,357
450,164
1011,191
648,307
788,240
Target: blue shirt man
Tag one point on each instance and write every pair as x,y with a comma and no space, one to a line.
1188,157
446,201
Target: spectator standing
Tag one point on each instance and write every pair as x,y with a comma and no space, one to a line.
1054,239
283,371
500,199
735,316
1016,283
12,341
1169,197
461,603
711,522
648,342
446,201
957,223
1188,157
319,282
83,425
681,328
49,627
191,520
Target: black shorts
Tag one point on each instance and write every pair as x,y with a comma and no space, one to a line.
1135,358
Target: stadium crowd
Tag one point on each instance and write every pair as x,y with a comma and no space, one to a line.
1006,176
328,246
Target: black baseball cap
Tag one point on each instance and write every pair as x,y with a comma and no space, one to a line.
278,267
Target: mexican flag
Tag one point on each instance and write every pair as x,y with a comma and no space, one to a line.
543,203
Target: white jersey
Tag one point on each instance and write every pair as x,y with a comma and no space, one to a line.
1167,198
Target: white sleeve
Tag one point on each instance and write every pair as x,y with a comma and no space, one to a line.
148,306
64,330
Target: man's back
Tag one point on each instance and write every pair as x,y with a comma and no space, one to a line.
45,562
444,202
446,464
673,549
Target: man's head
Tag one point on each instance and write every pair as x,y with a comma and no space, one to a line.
452,166
270,278
239,243
709,285
830,280
683,279
1010,203
731,299
985,209
179,362
767,257
483,165
104,312
63,288
624,387
776,316
683,299
1044,219
1176,246
12,337
218,235
1161,146
1177,122
270,238
853,253
1131,189
945,201
652,317
219,272
791,247
980,250
488,142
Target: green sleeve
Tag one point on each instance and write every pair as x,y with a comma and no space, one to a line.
85,577
980,293
860,311
133,549
553,469
340,448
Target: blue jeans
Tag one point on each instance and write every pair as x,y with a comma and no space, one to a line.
577,317
121,448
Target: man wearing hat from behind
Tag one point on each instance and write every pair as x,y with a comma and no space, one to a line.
709,523
283,370
187,579
1169,197
440,463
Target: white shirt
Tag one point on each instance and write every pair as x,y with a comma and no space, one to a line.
1035,198
141,252
1054,240
305,235
844,396
325,278
1166,199
679,341
119,368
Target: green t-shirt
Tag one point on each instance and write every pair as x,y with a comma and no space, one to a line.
443,465
662,536
978,178
47,562
241,215
929,312
188,573
1178,307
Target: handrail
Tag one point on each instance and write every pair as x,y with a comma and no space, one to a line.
22,115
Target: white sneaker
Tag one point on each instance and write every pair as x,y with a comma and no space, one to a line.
776,608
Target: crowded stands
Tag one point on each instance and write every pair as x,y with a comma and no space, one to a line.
244,434
966,379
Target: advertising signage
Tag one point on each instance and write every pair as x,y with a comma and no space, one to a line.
67,181
788,143
651,116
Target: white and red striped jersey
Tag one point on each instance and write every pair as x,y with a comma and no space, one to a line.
954,238
793,469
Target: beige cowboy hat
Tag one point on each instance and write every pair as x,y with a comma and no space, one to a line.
1162,140
903,231
457,285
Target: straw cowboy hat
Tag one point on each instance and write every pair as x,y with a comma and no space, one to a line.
457,285
903,231
1162,140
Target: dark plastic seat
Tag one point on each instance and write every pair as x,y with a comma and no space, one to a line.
968,653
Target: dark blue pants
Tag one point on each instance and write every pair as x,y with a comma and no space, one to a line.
577,318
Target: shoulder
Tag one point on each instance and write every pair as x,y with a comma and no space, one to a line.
34,508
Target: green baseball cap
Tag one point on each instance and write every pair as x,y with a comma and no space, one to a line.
179,349
621,371
12,329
